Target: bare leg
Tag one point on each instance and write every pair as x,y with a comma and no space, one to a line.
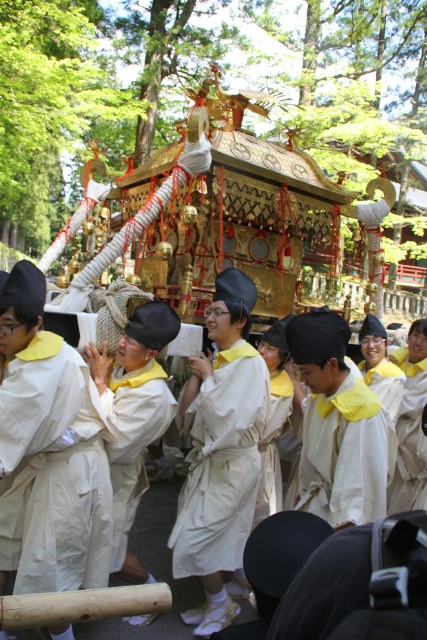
3,582
132,570
156,450
212,583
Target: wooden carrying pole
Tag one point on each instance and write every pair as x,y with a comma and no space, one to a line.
51,609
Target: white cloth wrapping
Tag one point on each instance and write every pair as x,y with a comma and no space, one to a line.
408,489
270,491
87,328
345,466
137,416
55,518
217,502
188,342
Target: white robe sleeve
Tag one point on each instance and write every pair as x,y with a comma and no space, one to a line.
233,399
390,392
359,487
29,409
137,416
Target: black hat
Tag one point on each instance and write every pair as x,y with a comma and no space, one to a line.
153,324
276,334
394,325
25,288
317,336
279,547
372,327
3,279
233,285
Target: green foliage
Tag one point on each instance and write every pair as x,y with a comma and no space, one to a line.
52,92
393,253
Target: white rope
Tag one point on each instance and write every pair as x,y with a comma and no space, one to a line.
371,214
376,271
195,159
95,193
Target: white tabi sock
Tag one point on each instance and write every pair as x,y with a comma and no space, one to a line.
220,599
67,635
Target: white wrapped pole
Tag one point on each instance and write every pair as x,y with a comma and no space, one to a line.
52,609
370,215
195,159
95,193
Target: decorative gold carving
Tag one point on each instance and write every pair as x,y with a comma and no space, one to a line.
243,237
157,270
300,171
240,150
185,291
271,162
275,291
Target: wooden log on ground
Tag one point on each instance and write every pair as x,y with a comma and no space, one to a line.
51,609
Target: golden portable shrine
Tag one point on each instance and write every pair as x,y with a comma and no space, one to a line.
251,206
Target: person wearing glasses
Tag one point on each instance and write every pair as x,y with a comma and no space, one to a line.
408,489
55,518
347,454
384,378
139,408
230,396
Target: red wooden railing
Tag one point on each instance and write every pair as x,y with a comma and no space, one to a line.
406,274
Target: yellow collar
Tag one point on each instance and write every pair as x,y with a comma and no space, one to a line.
281,385
137,378
244,350
384,369
410,369
356,403
44,345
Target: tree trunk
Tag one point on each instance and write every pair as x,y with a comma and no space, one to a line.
380,52
421,77
311,52
5,230
150,91
13,236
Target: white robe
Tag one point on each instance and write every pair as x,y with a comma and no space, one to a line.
55,519
270,491
345,465
217,502
388,389
138,416
407,491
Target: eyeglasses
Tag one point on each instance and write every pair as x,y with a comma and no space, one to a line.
374,340
265,346
215,313
7,329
